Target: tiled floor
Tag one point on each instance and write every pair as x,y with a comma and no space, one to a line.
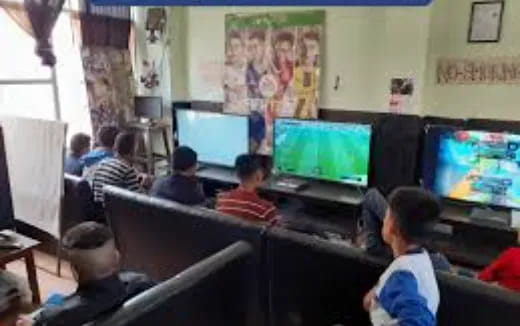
47,278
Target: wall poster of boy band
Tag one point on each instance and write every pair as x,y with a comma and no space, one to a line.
272,69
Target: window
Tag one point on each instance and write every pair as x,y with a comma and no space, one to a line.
25,85
28,89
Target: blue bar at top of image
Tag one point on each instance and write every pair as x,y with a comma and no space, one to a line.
263,2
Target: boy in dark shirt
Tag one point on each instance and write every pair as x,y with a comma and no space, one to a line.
79,146
102,287
183,186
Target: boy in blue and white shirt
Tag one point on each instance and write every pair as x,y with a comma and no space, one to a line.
407,293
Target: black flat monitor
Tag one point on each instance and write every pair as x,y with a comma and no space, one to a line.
148,107
329,151
474,166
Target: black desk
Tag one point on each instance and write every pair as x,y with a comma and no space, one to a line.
454,214
470,242
316,191
475,241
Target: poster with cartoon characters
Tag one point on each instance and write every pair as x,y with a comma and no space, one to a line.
272,69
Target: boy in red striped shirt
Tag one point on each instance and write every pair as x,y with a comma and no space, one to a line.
244,202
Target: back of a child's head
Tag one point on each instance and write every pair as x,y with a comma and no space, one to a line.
91,250
125,144
184,158
106,136
247,165
415,210
79,143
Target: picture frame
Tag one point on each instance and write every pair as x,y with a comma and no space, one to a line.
486,21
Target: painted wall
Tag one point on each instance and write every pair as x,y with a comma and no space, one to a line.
448,38
365,47
179,52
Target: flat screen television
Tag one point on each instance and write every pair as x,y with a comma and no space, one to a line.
473,166
217,138
149,107
338,152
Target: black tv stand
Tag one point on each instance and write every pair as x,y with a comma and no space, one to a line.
491,215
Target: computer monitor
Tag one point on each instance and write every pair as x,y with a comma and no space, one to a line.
338,152
473,166
217,138
149,107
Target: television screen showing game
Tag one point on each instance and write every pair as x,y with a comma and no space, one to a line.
217,138
475,166
329,151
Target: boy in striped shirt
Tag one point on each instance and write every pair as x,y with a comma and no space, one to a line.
118,170
244,202
407,293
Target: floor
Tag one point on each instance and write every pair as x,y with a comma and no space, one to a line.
47,278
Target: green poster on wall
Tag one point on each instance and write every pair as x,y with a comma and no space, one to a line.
272,69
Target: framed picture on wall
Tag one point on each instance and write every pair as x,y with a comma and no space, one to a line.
486,21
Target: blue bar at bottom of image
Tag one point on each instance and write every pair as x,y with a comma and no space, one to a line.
263,2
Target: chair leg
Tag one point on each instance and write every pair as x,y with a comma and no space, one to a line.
59,254
167,149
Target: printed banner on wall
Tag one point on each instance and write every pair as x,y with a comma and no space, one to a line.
474,71
272,69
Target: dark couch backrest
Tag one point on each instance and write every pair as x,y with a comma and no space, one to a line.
315,282
211,292
162,238
466,301
78,203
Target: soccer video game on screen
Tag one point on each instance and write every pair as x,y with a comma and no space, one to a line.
323,150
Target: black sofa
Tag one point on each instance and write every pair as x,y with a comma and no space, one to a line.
211,292
295,279
314,282
162,238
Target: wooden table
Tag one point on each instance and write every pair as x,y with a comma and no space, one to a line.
25,253
150,156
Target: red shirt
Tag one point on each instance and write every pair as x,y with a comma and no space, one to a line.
247,205
505,270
